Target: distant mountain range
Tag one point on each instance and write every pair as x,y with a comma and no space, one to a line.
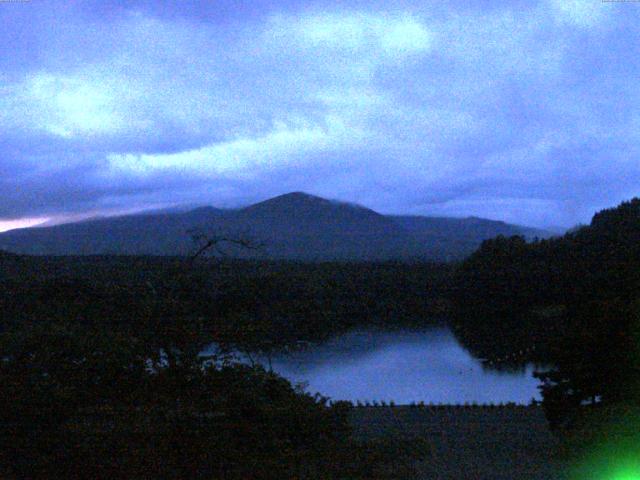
294,226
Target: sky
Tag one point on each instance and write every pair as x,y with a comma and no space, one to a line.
526,111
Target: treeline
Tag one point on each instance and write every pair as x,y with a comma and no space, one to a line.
256,304
570,302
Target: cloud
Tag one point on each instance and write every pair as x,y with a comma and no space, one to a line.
378,36
244,156
518,110
26,223
69,107
583,13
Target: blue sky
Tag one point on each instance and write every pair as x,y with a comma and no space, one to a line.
525,111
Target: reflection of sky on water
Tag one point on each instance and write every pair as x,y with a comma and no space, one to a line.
427,366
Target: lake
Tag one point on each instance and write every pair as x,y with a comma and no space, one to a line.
404,367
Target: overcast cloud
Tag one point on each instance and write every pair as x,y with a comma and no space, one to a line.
525,111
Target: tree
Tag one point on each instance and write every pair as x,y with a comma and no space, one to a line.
111,383
208,242
572,301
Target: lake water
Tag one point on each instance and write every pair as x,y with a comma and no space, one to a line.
405,367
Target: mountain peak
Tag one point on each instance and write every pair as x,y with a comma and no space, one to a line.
297,193
293,199
298,196
302,208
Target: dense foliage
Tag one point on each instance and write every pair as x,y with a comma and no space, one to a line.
258,305
90,403
102,377
570,302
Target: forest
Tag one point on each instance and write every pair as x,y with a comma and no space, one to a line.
103,377
102,374
568,303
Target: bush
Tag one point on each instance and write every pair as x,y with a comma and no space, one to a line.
82,402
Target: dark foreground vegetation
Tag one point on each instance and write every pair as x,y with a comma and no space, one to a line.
102,374
252,305
571,303
82,402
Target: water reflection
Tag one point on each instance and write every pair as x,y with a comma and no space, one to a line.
404,367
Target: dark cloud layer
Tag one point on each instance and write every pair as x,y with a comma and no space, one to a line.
522,111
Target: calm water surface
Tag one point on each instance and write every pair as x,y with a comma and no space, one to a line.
406,366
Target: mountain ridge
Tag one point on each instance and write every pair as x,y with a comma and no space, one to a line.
292,226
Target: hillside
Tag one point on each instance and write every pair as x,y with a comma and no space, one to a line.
452,238
294,226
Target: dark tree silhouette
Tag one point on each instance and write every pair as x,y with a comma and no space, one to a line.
571,301
216,242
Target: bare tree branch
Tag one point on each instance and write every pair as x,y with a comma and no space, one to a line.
215,242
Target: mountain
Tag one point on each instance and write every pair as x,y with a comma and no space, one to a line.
305,227
457,237
295,226
141,234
